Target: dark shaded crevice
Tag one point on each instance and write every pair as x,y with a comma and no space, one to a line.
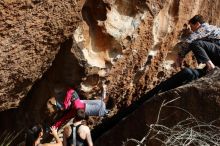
64,72
131,7
92,80
92,12
109,123
9,122
66,68
175,81
167,87
171,116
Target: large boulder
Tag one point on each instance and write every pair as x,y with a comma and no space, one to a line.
50,44
199,99
30,37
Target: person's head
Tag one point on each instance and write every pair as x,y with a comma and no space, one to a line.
58,93
51,105
185,26
80,115
33,134
195,22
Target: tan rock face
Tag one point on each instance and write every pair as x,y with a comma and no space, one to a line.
48,45
31,33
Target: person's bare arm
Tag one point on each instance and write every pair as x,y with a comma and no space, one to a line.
66,133
70,114
64,139
104,90
55,134
89,137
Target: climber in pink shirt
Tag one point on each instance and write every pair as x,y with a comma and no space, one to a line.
71,102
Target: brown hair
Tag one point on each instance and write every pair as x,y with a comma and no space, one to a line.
196,18
32,134
80,115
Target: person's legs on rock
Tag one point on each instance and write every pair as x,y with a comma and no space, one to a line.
184,76
206,52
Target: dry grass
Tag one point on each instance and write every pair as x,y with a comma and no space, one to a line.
188,132
7,138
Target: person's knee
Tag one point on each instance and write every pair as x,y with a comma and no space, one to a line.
189,74
197,42
195,45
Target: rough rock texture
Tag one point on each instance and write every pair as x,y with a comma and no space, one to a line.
30,35
202,104
48,45
104,43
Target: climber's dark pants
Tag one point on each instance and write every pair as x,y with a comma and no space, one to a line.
184,76
205,50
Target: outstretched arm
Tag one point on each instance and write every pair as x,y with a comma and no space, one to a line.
66,117
104,86
55,134
68,103
64,140
66,133
70,96
89,137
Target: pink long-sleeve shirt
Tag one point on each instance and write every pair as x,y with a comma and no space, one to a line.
72,105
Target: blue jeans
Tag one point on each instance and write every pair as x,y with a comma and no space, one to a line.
95,107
